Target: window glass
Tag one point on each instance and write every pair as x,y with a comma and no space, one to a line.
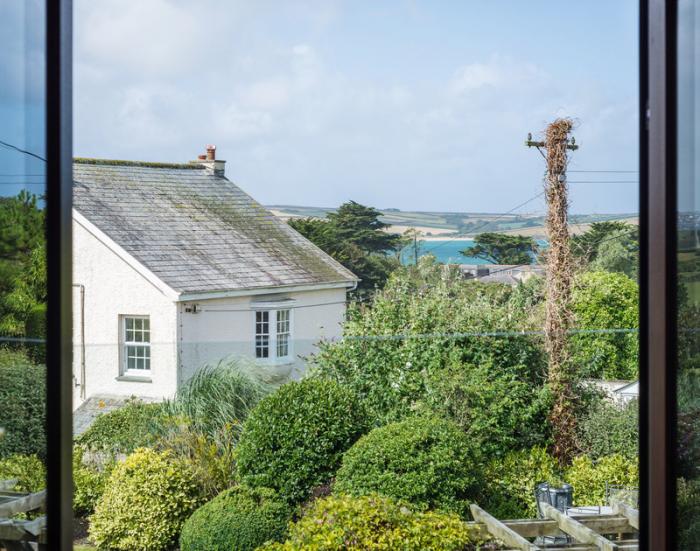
688,262
23,442
137,343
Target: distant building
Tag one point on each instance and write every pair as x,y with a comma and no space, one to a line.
176,267
510,274
618,392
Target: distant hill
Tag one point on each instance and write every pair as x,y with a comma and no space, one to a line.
464,224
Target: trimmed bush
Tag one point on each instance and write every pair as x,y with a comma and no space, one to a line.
510,482
146,500
608,429
426,461
28,470
89,480
339,523
294,439
23,399
240,518
122,430
589,478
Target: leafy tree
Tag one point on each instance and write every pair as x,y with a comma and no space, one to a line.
606,304
588,245
619,252
499,248
23,307
21,226
430,340
360,225
355,237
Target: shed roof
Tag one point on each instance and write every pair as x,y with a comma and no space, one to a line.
197,231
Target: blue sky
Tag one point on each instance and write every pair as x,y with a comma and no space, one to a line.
420,105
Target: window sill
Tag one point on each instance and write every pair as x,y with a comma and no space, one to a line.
134,379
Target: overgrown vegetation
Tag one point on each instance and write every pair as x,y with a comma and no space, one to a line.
432,340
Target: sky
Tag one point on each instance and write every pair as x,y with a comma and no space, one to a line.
417,105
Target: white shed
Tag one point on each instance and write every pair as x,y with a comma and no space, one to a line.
176,267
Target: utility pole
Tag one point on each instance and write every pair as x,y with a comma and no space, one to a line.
560,375
415,248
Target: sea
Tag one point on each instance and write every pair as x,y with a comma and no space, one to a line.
445,251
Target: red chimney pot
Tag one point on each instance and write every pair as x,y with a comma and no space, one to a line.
211,152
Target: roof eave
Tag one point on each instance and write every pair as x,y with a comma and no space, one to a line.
190,296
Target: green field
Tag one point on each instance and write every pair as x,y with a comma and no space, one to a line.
461,223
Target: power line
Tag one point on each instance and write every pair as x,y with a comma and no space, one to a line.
606,171
20,150
486,224
23,175
603,181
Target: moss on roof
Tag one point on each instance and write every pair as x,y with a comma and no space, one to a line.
145,164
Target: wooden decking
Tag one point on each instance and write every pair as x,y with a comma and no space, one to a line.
21,535
587,533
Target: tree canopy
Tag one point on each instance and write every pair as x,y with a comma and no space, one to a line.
499,248
356,238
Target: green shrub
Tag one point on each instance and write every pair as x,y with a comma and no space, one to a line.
590,479
608,429
294,439
510,482
145,502
604,300
428,462
28,470
23,399
89,480
240,518
339,523
122,430
688,514
497,412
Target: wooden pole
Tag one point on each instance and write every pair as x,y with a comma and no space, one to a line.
559,277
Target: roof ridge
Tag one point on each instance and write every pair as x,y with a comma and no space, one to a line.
144,164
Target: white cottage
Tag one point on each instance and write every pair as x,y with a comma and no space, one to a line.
176,267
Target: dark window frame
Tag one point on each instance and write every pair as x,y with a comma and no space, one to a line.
657,274
59,190
658,219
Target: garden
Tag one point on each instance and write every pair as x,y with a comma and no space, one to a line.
434,399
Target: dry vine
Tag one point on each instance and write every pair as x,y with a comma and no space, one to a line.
558,290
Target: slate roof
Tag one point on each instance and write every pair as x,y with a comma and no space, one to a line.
196,231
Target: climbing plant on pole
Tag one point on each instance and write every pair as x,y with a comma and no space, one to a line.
559,280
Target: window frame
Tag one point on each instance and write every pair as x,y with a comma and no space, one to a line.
125,344
273,334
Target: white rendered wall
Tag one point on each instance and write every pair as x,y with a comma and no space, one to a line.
113,288
224,328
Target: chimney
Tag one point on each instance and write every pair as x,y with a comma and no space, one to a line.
210,163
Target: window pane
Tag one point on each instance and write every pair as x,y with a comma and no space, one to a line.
22,251
688,384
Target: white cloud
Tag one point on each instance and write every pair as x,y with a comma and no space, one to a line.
160,77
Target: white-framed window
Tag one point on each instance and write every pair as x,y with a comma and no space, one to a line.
273,334
136,345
